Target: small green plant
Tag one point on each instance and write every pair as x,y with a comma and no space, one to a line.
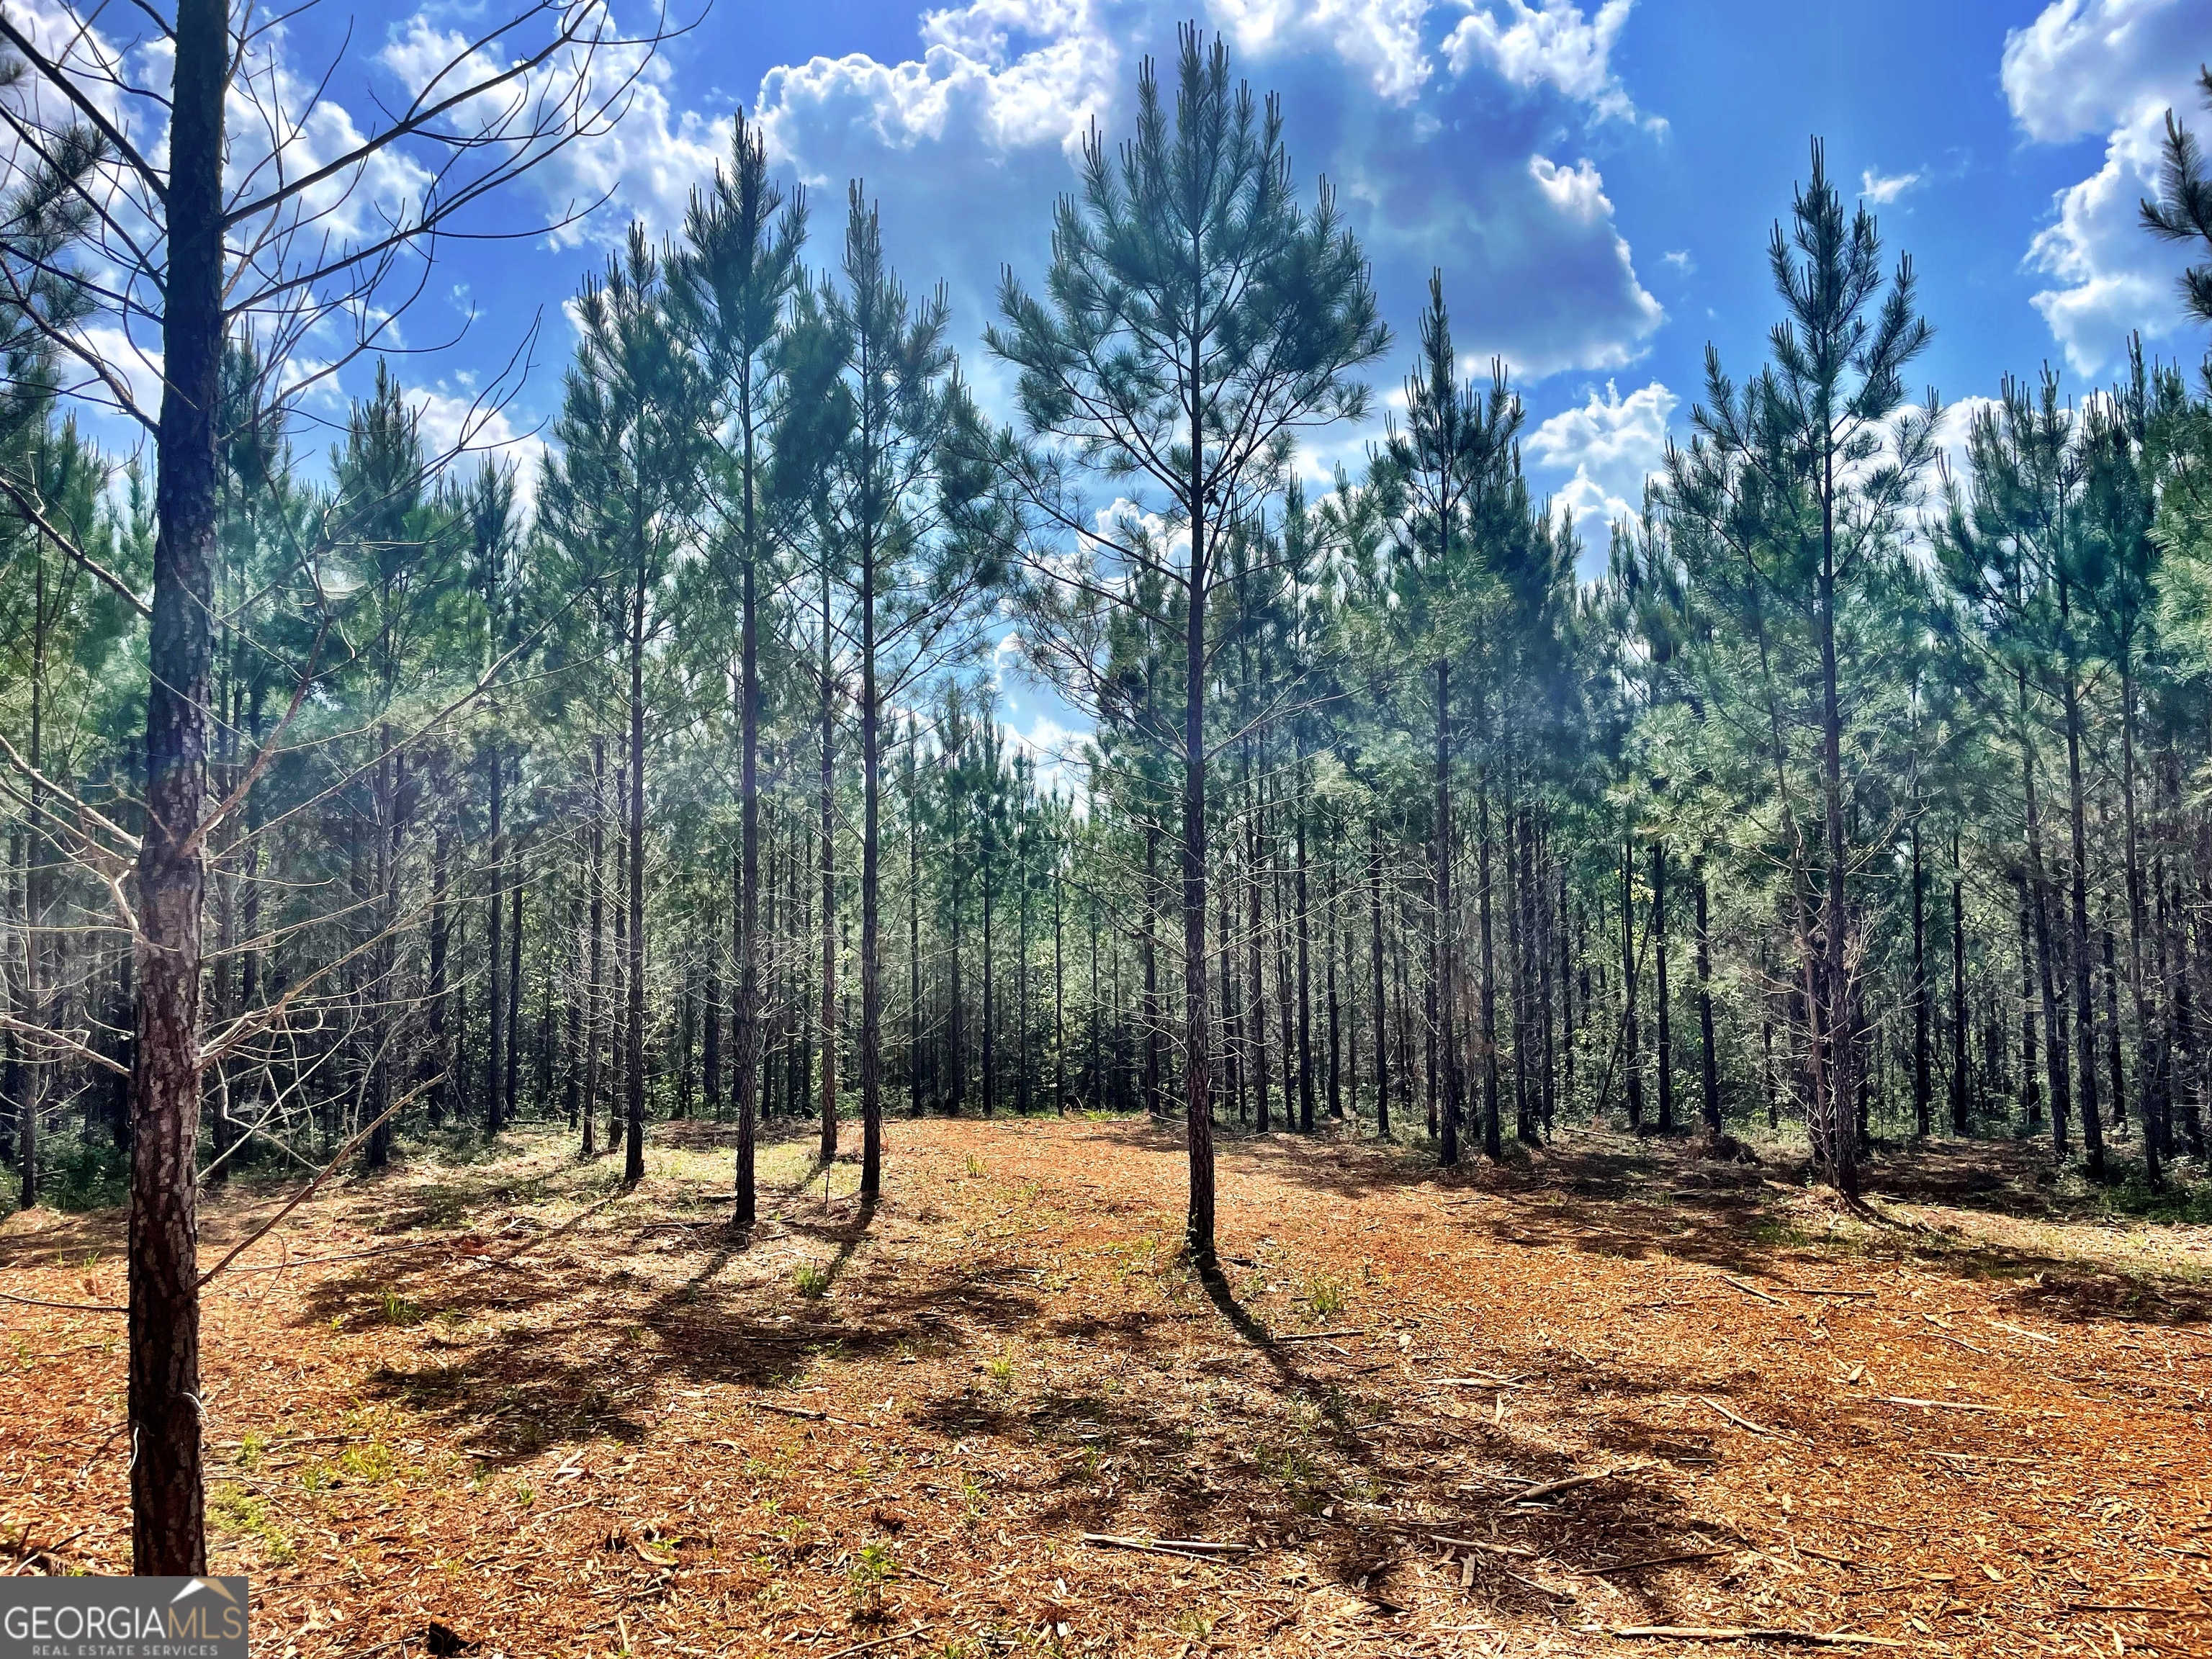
240,1513
812,1279
397,1309
371,1462
975,1167
523,1496
1000,1370
252,1447
1325,1295
971,1497
865,1579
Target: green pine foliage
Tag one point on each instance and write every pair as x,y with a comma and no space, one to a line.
1845,796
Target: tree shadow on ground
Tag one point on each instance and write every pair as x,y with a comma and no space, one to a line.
1649,1198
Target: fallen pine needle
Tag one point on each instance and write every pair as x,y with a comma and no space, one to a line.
2130,1606
1478,1544
1752,1633
1190,1549
1822,1289
1940,1405
1568,1485
808,1412
880,1642
1741,1422
1653,1561
2022,1330
1315,1336
66,1307
1752,1290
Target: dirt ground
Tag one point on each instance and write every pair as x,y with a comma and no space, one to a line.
499,1406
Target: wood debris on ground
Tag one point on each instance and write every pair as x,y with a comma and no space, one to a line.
996,1413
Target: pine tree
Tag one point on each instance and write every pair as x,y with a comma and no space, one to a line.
1197,320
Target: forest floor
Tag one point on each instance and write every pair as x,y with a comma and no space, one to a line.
493,1405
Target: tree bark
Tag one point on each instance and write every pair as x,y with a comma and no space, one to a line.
1446,979
168,1522
1709,1072
1375,965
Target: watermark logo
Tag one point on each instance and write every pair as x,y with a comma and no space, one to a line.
123,1618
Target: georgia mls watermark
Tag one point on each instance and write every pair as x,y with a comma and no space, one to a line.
123,1618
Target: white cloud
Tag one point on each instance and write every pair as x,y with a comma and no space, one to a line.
1381,38
1053,748
1555,44
461,426
643,165
1678,259
1625,313
996,102
1611,444
2115,67
970,83
1881,189
1951,433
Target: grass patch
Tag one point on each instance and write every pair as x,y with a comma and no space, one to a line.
237,1513
1327,1297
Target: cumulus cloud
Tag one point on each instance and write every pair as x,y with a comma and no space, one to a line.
995,104
1556,44
466,427
642,165
2113,67
1575,301
1610,444
1881,189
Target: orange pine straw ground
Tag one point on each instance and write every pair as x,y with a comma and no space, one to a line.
1951,1419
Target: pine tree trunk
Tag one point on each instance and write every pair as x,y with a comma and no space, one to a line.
1960,1113
914,929
1922,1092
495,917
634,971
514,1001
1447,981
872,966
2031,1090
829,919
2054,1057
595,983
1662,1037
1261,1082
1493,1143
1830,1012
2150,1053
2085,1036
1632,1058
1382,1034
1305,967
1540,899
990,1012
1517,946
1151,1013
1709,1073
1059,995
168,1525
1232,1034
1197,1105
